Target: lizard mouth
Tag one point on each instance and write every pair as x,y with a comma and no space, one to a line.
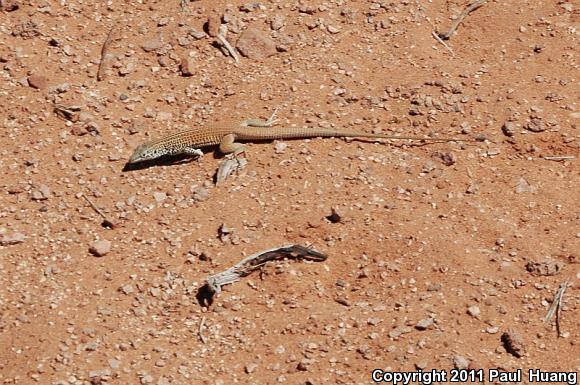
137,155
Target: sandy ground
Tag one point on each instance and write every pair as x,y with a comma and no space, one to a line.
443,255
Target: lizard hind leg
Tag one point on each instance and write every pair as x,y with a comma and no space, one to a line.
228,145
261,123
233,161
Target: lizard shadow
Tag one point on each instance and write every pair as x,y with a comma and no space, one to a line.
165,161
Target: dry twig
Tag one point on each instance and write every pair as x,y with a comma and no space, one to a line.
557,306
470,8
442,42
184,7
228,166
436,37
231,50
252,263
67,113
106,222
560,158
200,331
104,54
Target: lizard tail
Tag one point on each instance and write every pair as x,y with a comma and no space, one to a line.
272,133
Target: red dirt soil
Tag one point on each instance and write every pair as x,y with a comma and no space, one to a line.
439,250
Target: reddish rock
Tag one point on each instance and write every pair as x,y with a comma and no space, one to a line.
513,343
535,125
152,45
187,66
213,24
9,5
37,81
79,130
254,44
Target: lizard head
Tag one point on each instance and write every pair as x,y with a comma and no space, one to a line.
144,152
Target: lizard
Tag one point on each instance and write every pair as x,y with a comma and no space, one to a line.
189,142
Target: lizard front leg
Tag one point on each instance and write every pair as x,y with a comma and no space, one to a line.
192,151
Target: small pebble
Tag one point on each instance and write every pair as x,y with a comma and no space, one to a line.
333,29
535,125
421,365
12,238
448,158
424,324
513,343
544,268
213,24
9,5
460,362
159,196
200,194
523,186
250,368
41,193
474,311
100,248
187,66
280,147
277,22
146,379
509,129
152,45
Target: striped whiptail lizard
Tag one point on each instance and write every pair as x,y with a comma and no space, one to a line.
190,141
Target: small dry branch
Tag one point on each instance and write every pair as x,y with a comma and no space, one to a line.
67,113
436,37
231,50
470,8
557,306
560,158
184,7
252,263
228,166
106,222
104,54
200,331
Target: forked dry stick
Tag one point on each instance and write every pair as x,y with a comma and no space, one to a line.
252,263
222,40
557,306
436,37
104,54
228,167
67,113
470,8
